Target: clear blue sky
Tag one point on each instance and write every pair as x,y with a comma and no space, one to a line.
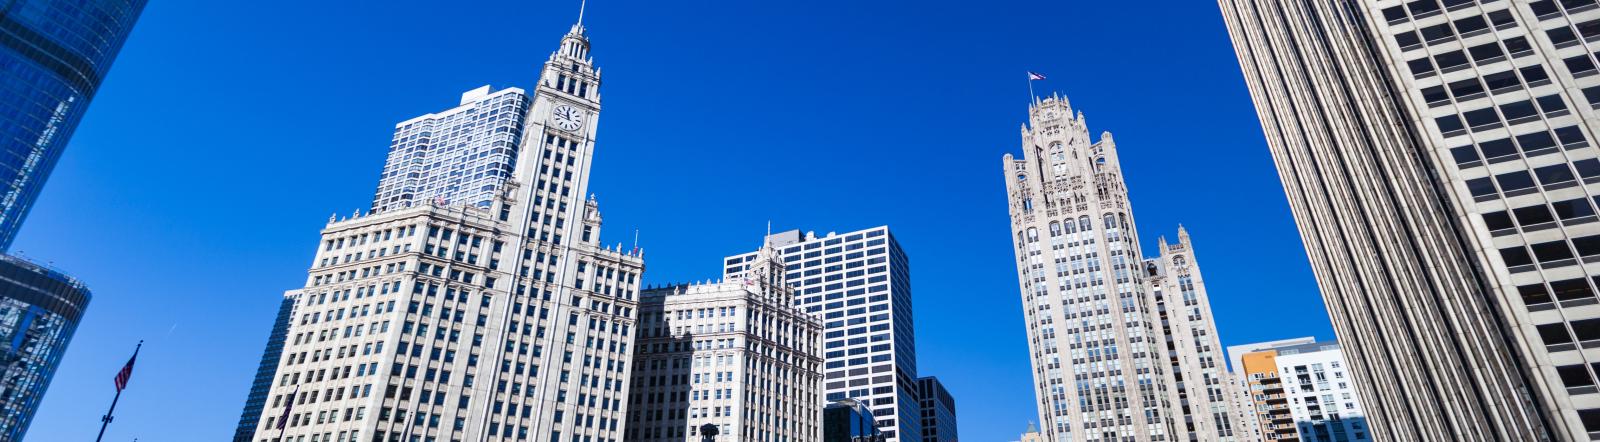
192,195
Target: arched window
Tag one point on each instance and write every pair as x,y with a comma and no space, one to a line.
1055,228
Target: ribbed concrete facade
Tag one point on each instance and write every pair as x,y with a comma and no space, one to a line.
1355,98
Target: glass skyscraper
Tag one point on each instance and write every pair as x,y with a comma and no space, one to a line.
38,313
53,55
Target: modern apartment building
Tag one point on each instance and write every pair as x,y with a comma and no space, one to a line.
938,411
859,283
1302,392
1438,156
1112,359
733,360
453,321
267,370
1245,405
463,155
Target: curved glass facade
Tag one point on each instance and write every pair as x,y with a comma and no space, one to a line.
53,55
40,310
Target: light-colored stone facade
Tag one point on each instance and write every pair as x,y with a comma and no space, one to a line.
1101,366
456,322
1200,379
737,355
1440,160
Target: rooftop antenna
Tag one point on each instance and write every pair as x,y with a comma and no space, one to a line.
581,5
636,240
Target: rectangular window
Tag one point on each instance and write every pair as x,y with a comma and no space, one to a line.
1552,251
1517,180
1494,149
1534,294
1570,209
1533,215
1554,174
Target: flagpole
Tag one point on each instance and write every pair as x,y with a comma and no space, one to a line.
1030,90
106,420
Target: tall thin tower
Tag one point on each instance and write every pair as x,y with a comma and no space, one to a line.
471,321
1101,364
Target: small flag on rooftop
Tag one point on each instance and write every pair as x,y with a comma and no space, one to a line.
1035,76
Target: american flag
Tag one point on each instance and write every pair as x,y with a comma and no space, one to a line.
127,372
1035,76
288,407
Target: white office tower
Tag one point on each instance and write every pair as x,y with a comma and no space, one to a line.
1440,160
728,361
1200,377
455,322
460,156
1102,367
859,283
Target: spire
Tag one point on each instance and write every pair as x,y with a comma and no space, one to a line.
577,28
576,43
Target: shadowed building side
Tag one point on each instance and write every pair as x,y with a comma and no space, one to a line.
267,370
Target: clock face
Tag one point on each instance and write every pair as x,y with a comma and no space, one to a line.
566,118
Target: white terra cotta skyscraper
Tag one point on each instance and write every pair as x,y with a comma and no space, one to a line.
466,322
1121,349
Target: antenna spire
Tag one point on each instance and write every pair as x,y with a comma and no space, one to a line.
582,4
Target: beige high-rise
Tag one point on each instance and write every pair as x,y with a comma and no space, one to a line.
737,356
1439,158
1107,366
470,322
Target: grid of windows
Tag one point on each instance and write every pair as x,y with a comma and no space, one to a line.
858,283
1496,79
460,156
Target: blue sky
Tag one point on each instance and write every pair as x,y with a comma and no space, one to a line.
192,195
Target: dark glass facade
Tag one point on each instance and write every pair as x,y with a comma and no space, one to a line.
39,310
262,387
849,420
53,55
